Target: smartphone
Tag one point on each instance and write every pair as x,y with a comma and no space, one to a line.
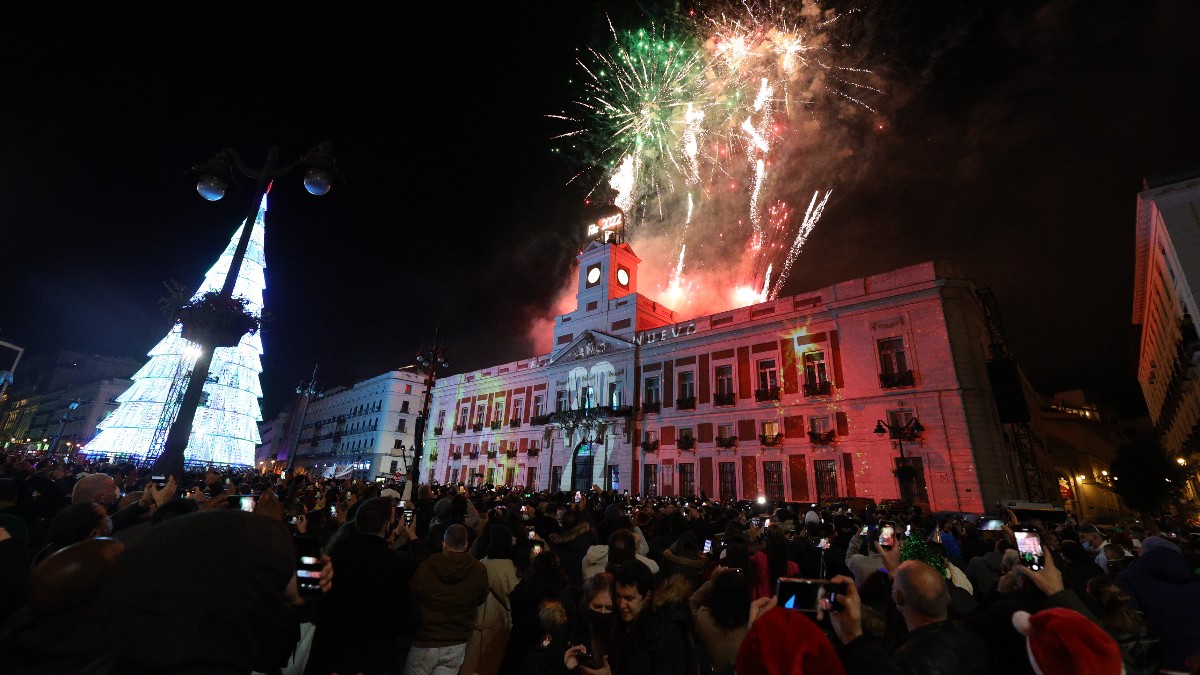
708,545
408,517
333,510
908,530
887,534
537,550
756,521
824,543
863,533
992,525
804,595
160,482
308,565
246,503
767,522
532,534
1029,546
578,496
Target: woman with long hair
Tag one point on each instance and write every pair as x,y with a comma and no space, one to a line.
543,582
771,562
485,649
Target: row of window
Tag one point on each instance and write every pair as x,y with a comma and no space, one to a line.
814,370
818,425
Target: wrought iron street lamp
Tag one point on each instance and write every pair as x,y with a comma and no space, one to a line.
215,178
432,359
910,430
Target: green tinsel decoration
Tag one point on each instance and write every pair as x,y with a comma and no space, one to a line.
916,548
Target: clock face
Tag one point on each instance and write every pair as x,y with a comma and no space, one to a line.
622,277
593,275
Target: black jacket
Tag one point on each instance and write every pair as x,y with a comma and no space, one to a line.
659,642
943,648
370,606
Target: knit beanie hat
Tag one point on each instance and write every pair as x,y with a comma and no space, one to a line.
441,509
786,642
1064,642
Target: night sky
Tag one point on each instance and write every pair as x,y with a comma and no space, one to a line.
1014,140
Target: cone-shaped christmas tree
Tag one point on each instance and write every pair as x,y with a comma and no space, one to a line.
915,547
225,430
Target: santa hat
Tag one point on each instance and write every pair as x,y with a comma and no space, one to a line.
1063,641
786,642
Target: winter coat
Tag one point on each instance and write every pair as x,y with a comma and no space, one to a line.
368,573
762,577
720,645
448,589
659,642
571,546
691,569
595,561
1162,586
485,649
984,574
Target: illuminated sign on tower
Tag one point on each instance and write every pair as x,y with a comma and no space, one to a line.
609,228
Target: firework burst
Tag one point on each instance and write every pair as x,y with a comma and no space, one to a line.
688,126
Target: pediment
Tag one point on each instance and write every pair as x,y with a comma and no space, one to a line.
589,345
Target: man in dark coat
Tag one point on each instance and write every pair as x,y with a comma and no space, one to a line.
655,632
1163,588
369,573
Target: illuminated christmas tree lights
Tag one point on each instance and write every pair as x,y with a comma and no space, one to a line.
225,430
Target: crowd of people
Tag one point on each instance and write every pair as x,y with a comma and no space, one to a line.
106,568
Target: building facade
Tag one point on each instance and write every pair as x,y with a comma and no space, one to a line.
57,400
1166,276
780,400
363,431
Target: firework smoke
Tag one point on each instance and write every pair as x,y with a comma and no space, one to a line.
694,130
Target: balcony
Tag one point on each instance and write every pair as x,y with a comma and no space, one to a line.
768,394
493,454
823,388
477,427
511,453
533,451
462,429
514,423
650,446
770,440
651,407
896,380
539,420
686,443
688,403
727,442
473,455
823,437
724,399
437,431
456,456
433,457
495,426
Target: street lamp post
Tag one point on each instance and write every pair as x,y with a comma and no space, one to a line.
66,417
216,176
431,359
904,473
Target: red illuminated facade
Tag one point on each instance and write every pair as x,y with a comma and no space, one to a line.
778,400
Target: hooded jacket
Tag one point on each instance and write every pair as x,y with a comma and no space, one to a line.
448,588
1162,586
571,545
595,561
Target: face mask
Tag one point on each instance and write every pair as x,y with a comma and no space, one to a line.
598,619
1087,546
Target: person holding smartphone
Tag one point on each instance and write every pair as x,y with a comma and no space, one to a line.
370,572
862,555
